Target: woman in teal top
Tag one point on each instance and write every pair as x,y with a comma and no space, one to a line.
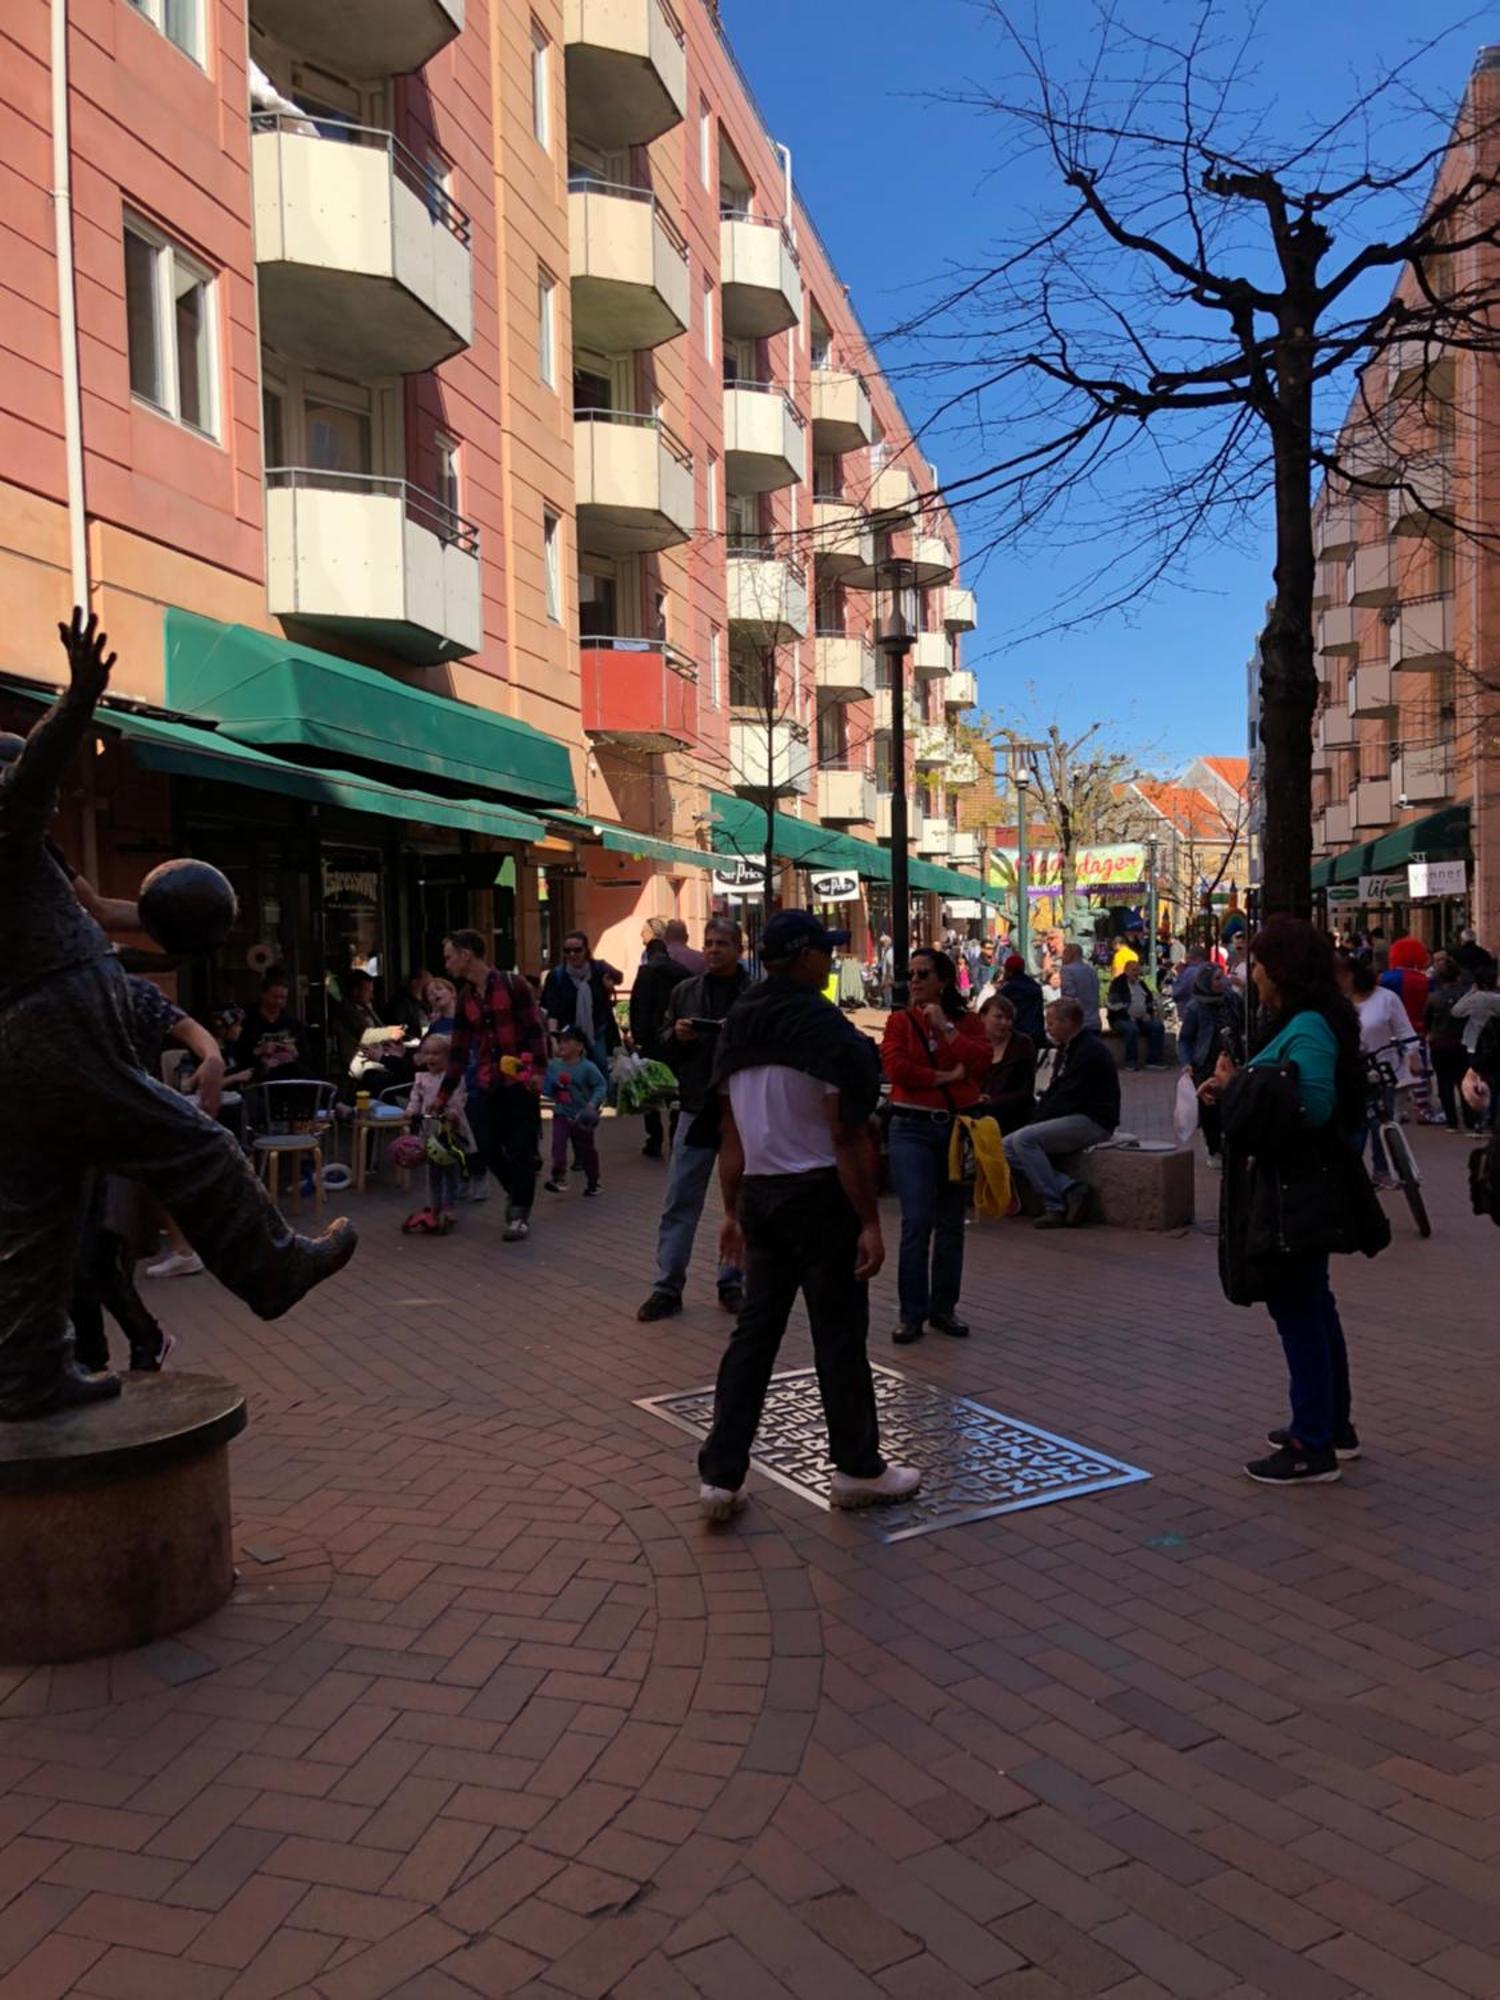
1316,1028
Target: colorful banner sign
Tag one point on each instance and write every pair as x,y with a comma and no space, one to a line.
1097,870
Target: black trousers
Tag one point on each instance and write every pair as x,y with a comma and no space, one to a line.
105,1282
801,1234
77,1100
1450,1062
507,1125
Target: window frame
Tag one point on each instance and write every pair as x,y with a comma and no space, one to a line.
541,85
712,508
546,328
166,256
552,565
715,667
154,13
706,147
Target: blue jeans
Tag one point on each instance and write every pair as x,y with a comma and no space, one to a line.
1312,1338
1155,1041
931,1267
688,1176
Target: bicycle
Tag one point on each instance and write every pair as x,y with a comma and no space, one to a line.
1382,1083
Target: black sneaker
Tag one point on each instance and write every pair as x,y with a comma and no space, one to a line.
660,1305
949,1323
652,1150
555,1186
1052,1218
592,1188
732,1298
1346,1443
908,1331
1075,1204
1294,1466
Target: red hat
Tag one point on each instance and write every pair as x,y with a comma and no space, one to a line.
1409,954
1015,963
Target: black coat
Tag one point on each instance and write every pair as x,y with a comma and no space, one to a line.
560,1001
1085,1082
1025,995
648,1003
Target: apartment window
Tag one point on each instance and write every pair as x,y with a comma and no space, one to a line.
705,143
169,317
708,318
181,21
713,494
715,667
546,328
445,484
552,565
541,86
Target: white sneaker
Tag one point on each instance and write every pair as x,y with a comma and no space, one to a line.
897,1482
176,1264
721,1503
517,1229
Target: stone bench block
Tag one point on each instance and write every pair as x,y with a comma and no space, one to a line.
1133,1187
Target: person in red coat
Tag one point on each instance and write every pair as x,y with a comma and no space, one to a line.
936,1055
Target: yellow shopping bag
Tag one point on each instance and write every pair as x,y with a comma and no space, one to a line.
976,1152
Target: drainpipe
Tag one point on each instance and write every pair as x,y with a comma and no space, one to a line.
789,210
67,305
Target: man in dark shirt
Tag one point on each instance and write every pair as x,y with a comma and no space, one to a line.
497,1023
1080,1107
655,978
76,1098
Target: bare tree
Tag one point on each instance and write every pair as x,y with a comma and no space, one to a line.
1161,350
1075,788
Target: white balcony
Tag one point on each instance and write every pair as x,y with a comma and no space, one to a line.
1423,777
846,797
1421,638
634,484
1370,804
1421,369
1333,828
375,559
1370,690
893,491
1336,527
841,415
932,746
963,850
1338,630
842,538
629,260
363,38
774,758
883,804
844,667
934,837
931,656
362,259
760,275
1328,583
959,612
767,594
1333,730
963,770
627,71
961,689
765,439
883,711
1425,491
1375,581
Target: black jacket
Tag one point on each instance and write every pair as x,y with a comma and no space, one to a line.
699,997
648,1003
560,1001
1025,995
778,1022
1085,1083
1118,1002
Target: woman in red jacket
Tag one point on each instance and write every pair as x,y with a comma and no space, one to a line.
935,1054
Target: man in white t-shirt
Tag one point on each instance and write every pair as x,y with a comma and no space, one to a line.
798,1083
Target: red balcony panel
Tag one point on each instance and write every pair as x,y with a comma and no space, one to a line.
640,693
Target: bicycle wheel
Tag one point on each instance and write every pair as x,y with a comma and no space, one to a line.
1405,1168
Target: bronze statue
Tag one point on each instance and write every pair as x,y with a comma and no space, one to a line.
74,1099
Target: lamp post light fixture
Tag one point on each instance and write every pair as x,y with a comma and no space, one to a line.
1020,764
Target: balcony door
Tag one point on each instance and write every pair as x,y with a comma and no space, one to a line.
833,736
323,424
334,103
602,381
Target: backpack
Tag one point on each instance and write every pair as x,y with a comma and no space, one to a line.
1484,1179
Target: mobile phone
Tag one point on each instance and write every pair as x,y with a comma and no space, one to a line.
704,1027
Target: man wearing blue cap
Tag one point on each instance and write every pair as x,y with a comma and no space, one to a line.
798,1083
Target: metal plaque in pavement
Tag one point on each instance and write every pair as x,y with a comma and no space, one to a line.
975,1462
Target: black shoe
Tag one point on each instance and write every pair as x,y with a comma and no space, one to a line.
555,1186
1052,1218
660,1305
949,1323
70,1389
1075,1205
1292,1465
652,1150
592,1188
1346,1443
732,1298
307,1261
908,1331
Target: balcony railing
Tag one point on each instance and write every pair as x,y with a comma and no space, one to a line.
760,274
765,444
640,692
634,482
426,182
629,266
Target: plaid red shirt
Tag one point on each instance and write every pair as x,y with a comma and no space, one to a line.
502,1020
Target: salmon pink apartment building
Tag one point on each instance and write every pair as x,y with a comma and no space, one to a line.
458,424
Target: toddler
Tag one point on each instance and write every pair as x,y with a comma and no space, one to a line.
577,1088
448,1139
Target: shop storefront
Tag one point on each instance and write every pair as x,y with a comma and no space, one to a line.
1417,881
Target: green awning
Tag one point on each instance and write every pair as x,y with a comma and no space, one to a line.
182,751
740,834
1441,836
269,693
927,876
1352,863
625,840
1322,873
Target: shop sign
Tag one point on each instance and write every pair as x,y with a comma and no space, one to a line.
840,887
743,878
965,910
1095,869
1382,888
1344,892
357,888
1437,878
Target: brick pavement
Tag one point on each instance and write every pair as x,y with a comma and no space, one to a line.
493,1713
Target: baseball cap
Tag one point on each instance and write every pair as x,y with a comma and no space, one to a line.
791,931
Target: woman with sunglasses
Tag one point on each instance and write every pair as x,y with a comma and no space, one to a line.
936,1055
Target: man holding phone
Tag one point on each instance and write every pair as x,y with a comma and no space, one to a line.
695,1013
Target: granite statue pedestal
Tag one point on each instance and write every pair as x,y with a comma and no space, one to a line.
115,1519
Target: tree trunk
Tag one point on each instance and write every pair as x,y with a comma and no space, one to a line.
1288,676
770,692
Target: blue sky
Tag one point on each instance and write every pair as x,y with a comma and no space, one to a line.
902,187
